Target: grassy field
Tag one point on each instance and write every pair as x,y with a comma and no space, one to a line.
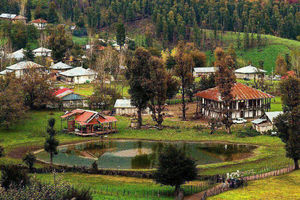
80,40
285,187
118,187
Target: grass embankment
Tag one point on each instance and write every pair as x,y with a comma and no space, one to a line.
118,187
285,187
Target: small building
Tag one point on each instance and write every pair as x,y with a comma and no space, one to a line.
204,71
89,123
249,72
78,75
7,16
40,24
17,55
266,122
20,18
124,107
21,68
70,99
42,52
247,102
60,67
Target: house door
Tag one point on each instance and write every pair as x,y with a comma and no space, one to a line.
242,114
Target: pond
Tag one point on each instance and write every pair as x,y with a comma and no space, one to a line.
136,154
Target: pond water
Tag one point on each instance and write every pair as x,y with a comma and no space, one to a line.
134,154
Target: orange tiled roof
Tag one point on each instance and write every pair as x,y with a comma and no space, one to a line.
38,21
239,92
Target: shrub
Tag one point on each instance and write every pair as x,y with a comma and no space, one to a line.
29,159
12,176
248,132
95,166
82,194
1,151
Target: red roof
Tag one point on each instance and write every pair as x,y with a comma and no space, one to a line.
289,74
39,21
84,117
239,92
60,91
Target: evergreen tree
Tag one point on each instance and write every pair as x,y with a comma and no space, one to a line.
29,56
121,34
28,10
52,16
174,168
29,159
51,143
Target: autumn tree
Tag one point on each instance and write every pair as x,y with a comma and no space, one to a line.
281,66
162,86
59,42
138,70
288,123
184,70
225,80
37,89
11,101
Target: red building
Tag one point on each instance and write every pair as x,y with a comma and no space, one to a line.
89,123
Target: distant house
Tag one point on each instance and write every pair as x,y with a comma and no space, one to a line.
247,102
266,122
89,123
204,71
78,75
20,18
249,72
7,16
60,67
70,99
42,52
17,55
39,23
22,67
124,107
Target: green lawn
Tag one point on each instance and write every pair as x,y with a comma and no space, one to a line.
80,40
284,187
118,187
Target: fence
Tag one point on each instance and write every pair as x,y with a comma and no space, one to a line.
225,187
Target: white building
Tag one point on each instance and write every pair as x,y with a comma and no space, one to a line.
249,72
78,75
42,52
39,23
204,71
17,55
124,107
266,122
7,16
60,67
22,67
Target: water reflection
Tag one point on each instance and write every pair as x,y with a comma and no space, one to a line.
124,154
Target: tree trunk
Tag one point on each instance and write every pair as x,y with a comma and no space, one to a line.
140,121
178,193
296,164
183,102
51,158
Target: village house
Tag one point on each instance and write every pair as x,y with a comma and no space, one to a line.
7,16
247,102
124,107
17,55
40,24
78,75
204,71
249,72
266,122
69,99
42,52
22,67
89,123
60,67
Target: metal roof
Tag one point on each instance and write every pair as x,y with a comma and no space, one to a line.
61,65
272,115
258,121
24,65
7,16
239,92
78,71
249,70
123,103
42,50
205,69
4,72
18,55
